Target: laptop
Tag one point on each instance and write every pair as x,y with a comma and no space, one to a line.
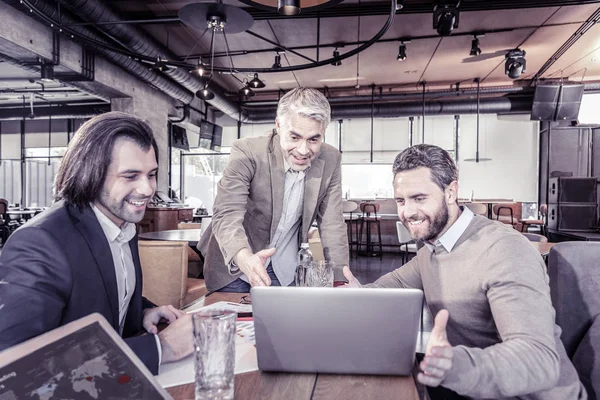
83,359
334,330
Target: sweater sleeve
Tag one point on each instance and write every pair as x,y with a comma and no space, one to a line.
407,276
526,360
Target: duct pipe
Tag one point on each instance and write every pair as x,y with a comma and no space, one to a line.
141,71
140,42
57,112
509,104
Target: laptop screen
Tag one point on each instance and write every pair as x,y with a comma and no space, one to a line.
86,363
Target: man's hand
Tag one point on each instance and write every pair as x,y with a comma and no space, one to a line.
177,340
253,266
152,317
438,357
352,281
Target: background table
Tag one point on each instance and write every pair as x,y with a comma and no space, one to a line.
292,386
192,236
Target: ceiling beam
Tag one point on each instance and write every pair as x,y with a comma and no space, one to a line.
578,34
354,10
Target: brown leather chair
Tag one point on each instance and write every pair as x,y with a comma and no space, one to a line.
165,271
195,264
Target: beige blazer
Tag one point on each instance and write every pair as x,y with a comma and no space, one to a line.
249,204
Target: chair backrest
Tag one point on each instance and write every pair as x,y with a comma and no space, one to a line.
403,234
477,208
369,208
349,206
587,360
575,289
511,212
3,206
534,237
165,269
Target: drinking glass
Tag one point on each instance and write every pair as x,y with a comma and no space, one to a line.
214,354
320,274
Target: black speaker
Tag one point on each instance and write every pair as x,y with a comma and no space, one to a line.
572,190
572,217
556,102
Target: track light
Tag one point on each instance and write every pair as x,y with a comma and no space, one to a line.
445,18
199,70
160,65
401,52
47,72
288,7
515,63
277,63
336,55
205,94
256,83
475,50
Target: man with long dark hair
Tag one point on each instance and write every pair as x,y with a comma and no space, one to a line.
81,255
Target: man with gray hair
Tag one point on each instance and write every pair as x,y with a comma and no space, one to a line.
272,190
494,334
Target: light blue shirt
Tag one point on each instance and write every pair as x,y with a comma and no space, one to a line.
450,237
285,239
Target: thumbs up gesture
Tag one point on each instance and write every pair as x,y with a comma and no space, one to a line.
438,357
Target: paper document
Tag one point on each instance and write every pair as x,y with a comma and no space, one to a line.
182,372
222,305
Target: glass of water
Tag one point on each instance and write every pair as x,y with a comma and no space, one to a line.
320,274
214,354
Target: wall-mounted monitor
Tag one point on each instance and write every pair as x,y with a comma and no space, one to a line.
210,136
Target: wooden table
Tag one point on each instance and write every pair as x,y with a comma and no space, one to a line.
178,235
291,386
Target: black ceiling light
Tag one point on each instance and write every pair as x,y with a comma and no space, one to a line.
160,65
277,63
445,18
401,52
246,91
205,94
336,55
515,63
256,83
199,70
288,7
47,72
475,50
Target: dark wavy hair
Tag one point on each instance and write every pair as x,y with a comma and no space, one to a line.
83,168
441,166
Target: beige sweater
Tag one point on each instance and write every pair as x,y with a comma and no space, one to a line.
495,286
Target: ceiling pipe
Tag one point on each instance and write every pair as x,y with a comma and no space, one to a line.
140,42
508,104
413,95
167,86
57,112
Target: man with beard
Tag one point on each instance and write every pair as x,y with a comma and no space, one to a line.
81,255
494,334
272,189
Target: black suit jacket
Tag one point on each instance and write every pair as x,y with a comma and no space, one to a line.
58,268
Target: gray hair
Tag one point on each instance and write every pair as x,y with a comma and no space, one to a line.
307,102
442,166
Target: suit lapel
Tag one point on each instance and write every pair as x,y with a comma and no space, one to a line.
92,232
277,181
312,185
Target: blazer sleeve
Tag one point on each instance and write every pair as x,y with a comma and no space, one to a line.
35,285
330,219
231,202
